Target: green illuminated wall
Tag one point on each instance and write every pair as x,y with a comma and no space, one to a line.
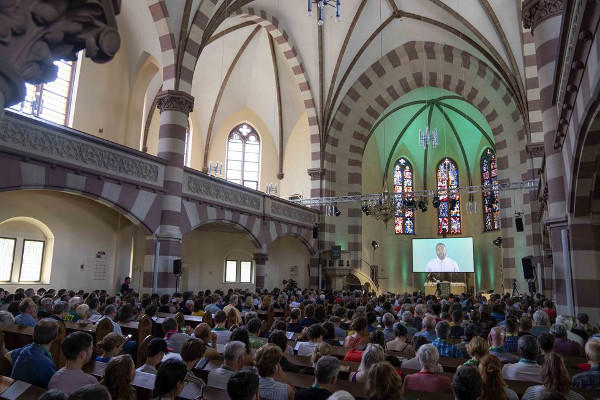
385,146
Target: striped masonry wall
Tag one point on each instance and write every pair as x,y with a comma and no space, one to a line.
160,16
397,73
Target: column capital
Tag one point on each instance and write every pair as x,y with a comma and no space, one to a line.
261,258
38,32
175,100
537,11
315,173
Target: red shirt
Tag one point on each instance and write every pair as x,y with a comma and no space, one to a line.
428,382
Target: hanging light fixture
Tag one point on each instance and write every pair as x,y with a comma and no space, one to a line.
428,138
321,4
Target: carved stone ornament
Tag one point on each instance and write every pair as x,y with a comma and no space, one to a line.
535,149
292,213
315,173
34,33
221,192
175,100
536,11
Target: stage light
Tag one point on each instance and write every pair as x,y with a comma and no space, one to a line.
409,203
498,241
436,201
422,205
452,203
374,244
336,211
365,208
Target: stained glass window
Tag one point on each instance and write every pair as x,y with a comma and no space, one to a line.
489,177
449,208
243,156
404,220
50,101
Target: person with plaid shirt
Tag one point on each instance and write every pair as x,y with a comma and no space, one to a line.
445,348
590,379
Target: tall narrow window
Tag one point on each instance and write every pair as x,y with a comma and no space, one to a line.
230,271
7,253
449,208
489,177
52,100
31,262
243,156
404,220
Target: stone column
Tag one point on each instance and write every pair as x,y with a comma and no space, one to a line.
544,17
260,261
314,273
174,107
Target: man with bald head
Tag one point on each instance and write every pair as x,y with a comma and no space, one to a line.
496,342
428,331
203,332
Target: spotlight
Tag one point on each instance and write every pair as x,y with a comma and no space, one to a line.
409,203
374,244
422,205
452,203
498,241
436,201
336,211
365,208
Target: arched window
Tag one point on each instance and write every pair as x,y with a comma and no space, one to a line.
404,220
243,156
449,208
489,176
52,100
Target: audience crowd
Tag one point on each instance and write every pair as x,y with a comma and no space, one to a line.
390,345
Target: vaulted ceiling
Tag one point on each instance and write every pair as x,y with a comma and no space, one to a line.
244,62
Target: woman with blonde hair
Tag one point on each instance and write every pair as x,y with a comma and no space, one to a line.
118,375
383,382
493,386
555,377
320,350
373,354
82,312
248,304
476,348
266,303
110,346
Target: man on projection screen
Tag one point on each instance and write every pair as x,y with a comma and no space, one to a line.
442,263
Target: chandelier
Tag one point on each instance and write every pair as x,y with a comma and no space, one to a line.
383,208
321,8
428,138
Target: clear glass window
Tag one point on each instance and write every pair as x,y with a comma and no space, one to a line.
31,262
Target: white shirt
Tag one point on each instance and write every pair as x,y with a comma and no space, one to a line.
305,348
445,265
522,371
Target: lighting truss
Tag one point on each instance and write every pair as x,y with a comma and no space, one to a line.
531,184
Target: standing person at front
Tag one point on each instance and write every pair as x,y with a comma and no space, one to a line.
78,348
273,382
33,363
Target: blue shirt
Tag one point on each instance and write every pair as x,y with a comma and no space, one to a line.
588,380
511,343
212,308
447,349
33,364
429,335
25,319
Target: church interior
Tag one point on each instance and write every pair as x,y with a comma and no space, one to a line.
200,144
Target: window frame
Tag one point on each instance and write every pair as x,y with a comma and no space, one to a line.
12,263
403,195
238,272
489,154
243,161
39,279
447,190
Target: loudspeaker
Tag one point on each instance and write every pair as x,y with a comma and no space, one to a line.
177,266
519,223
527,267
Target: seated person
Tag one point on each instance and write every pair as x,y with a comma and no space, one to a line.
174,338
388,326
408,322
170,380
253,327
203,332
78,348
427,380
493,384
191,353
554,377
279,338
374,353
496,341
315,336
466,383
95,391
590,379
157,348
562,345
27,313
33,363
329,333
233,361
337,321
511,339
360,337
546,343
322,349
527,369
428,329
567,321
457,331
326,373
273,383
541,323
110,346
445,348
308,320
477,348
383,382
219,329
294,325
400,342
243,385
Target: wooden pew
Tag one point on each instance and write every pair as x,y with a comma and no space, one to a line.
10,388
